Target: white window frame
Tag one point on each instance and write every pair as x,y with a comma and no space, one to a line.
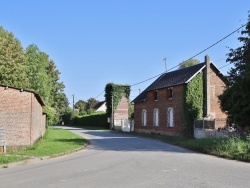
170,116
144,117
156,117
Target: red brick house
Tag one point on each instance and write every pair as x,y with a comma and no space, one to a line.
21,116
160,108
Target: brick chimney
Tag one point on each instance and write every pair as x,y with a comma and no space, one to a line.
207,86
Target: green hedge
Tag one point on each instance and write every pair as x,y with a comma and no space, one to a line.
99,119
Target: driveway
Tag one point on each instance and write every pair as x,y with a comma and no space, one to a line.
121,160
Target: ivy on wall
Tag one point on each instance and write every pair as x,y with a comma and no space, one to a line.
193,103
117,91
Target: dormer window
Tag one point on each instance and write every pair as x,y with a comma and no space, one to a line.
156,95
170,93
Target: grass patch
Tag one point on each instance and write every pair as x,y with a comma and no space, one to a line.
4,159
54,142
237,148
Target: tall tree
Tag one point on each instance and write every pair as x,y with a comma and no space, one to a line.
235,100
37,63
12,61
91,104
58,99
189,63
81,105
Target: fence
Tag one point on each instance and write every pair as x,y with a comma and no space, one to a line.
2,139
204,124
206,128
125,125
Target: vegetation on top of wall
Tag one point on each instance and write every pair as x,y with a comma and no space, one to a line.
117,91
193,103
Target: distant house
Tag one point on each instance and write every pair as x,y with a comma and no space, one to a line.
160,107
100,107
21,116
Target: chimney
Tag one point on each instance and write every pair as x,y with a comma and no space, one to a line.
207,86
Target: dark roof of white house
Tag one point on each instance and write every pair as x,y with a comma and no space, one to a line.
173,78
98,105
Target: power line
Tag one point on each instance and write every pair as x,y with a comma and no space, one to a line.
99,95
189,58
192,56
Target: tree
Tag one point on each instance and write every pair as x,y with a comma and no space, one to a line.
12,61
91,104
81,105
189,63
37,63
235,100
57,99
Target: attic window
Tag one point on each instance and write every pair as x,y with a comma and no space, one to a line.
170,93
156,95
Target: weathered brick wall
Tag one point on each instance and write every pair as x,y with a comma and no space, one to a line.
162,104
121,111
37,121
217,87
17,119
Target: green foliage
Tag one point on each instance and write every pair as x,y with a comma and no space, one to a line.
68,117
50,112
96,119
12,61
193,103
37,63
9,159
90,105
117,91
235,100
81,106
189,63
237,148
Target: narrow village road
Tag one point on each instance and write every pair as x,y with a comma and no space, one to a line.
121,160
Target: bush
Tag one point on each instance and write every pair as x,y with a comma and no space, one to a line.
96,119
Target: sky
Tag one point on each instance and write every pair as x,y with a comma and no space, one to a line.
94,42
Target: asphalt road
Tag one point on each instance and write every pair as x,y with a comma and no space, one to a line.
121,160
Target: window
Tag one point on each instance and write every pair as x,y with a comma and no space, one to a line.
156,95
144,117
156,117
170,117
170,93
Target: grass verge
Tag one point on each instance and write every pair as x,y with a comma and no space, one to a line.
55,142
236,148
4,159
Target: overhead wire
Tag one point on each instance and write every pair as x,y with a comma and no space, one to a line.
212,45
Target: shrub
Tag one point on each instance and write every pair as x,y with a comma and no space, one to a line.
96,119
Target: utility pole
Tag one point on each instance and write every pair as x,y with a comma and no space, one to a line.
165,60
139,91
73,109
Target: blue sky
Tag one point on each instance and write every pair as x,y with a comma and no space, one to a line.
94,42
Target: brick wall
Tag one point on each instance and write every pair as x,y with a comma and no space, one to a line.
162,104
21,116
121,111
217,87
